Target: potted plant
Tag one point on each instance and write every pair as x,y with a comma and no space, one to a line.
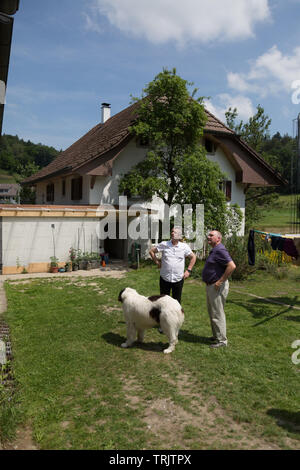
68,266
95,260
53,264
73,259
79,259
86,263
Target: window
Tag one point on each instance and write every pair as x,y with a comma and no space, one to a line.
50,192
210,146
63,188
226,187
228,190
76,189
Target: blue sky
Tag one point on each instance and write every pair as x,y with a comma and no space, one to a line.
69,56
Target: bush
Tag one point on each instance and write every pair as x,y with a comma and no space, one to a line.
264,262
197,269
238,249
281,273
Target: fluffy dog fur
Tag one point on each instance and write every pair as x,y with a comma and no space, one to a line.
142,313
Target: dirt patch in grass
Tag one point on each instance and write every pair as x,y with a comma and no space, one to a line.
107,309
202,424
23,441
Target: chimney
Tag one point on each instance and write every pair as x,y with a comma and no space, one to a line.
105,112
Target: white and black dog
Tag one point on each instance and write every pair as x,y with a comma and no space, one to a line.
142,313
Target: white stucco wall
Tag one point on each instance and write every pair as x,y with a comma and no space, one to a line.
41,191
237,189
237,196
30,239
106,189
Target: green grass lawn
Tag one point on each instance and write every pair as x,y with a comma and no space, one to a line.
76,388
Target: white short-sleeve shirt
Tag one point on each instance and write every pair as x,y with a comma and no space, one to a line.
173,260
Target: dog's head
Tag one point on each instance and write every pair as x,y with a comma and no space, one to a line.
125,292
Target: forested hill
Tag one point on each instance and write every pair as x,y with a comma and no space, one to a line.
18,157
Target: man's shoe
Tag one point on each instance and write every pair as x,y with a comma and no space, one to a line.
217,345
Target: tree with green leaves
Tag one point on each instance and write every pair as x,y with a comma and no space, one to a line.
15,152
255,132
27,193
171,120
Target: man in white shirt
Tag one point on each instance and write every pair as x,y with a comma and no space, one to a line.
172,264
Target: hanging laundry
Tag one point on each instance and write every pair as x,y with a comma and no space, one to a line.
277,243
289,248
297,246
251,248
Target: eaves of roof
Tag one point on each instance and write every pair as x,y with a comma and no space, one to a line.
263,162
9,7
6,28
268,173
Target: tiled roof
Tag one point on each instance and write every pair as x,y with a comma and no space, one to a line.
215,125
7,189
104,142
96,142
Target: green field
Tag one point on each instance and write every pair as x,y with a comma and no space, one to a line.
279,219
6,178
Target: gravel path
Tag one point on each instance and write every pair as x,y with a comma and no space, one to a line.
115,270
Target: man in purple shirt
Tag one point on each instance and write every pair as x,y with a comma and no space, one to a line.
218,267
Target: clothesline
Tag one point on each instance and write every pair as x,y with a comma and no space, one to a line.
268,233
278,242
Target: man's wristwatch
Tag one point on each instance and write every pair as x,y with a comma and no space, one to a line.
189,270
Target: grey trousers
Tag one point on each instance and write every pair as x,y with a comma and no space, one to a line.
215,305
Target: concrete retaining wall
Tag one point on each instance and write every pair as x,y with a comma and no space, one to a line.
30,241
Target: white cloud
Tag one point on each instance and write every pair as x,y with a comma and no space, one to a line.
91,24
223,101
181,21
270,73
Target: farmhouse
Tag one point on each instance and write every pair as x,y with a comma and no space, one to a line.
9,193
86,176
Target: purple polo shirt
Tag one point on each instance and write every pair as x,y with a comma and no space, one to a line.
215,264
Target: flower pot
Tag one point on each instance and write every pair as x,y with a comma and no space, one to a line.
88,266
53,269
68,267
